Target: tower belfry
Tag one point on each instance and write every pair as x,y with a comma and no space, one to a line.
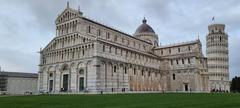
218,59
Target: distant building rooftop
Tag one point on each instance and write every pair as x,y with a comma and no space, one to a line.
18,74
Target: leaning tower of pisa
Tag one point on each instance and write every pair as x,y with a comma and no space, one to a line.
217,54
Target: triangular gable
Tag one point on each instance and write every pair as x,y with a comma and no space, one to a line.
67,12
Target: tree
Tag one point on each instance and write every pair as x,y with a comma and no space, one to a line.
235,85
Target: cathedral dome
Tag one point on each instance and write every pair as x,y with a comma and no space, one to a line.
146,33
144,28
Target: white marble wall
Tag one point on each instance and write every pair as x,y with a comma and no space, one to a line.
19,85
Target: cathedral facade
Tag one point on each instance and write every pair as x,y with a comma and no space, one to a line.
89,56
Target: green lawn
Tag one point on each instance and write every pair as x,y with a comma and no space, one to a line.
123,101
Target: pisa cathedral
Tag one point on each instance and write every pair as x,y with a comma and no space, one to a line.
89,56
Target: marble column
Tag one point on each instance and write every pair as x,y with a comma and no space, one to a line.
74,81
45,81
58,81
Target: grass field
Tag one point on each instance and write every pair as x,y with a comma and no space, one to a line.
123,101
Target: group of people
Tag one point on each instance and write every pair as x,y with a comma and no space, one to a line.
219,91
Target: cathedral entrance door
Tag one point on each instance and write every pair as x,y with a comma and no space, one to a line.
50,85
81,83
65,82
186,87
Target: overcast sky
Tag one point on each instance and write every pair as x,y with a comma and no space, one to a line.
28,25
